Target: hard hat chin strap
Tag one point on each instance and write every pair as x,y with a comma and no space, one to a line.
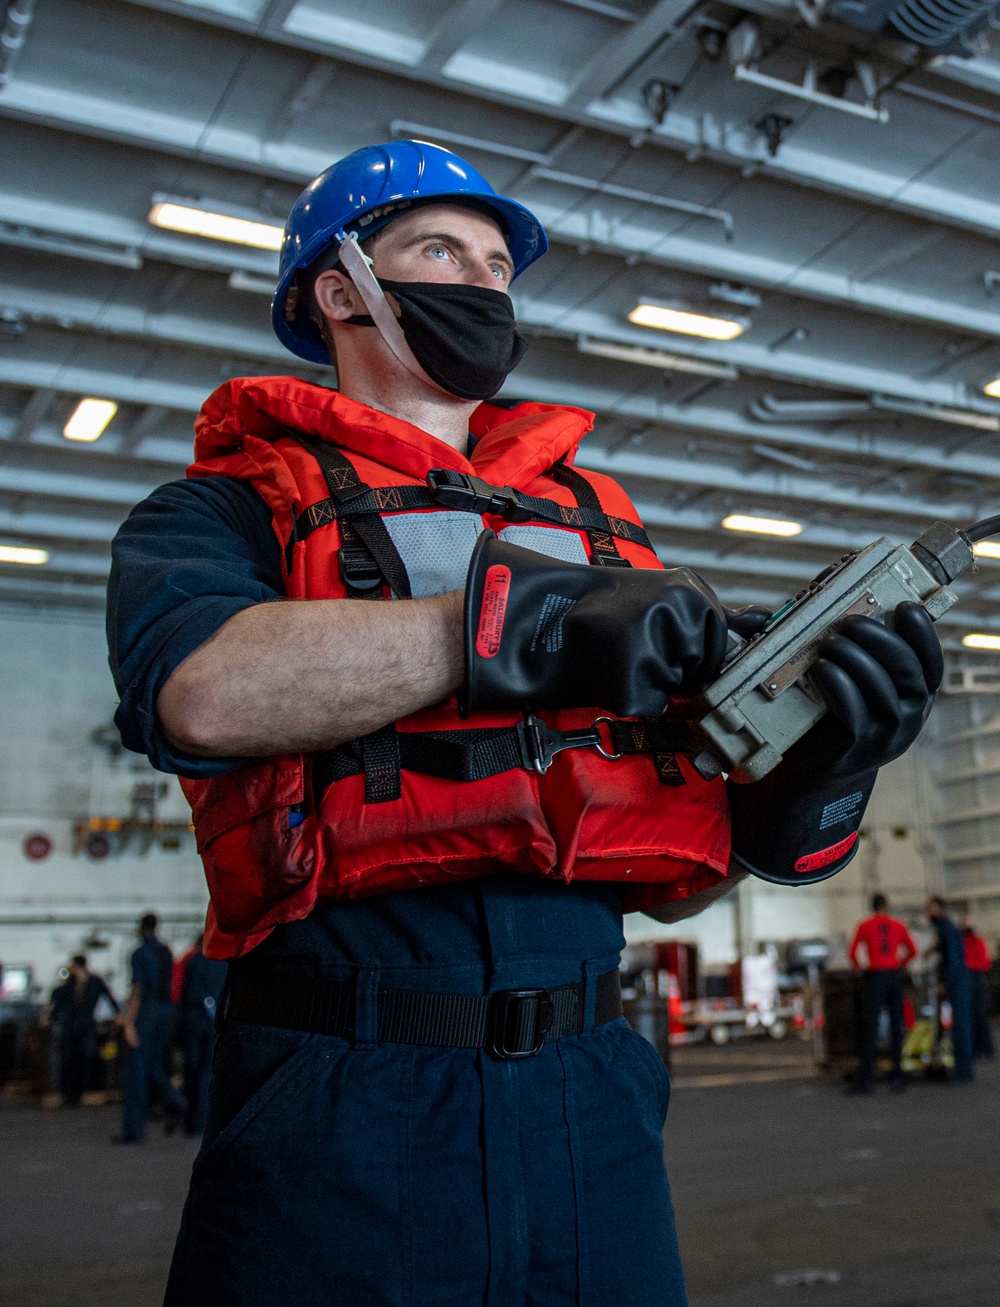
358,268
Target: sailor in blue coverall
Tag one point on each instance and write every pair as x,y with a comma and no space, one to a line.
574,1184
339,1169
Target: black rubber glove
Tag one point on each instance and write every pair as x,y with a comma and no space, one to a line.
749,621
800,823
541,633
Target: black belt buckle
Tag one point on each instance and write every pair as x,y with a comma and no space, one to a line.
515,1016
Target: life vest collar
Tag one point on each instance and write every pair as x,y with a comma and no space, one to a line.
514,446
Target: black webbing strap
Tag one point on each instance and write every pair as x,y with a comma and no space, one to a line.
367,555
471,494
347,491
511,1024
664,740
480,752
470,755
603,550
461,493
381,763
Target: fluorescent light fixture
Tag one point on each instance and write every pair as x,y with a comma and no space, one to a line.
765,526
215,226
16,554
687,324
89,419
987,549
240,280
979,641
992,388
656,358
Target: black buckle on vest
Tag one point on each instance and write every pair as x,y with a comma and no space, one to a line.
517,1022
539,744
470,494
358,569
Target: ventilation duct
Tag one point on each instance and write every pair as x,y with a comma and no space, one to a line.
942,26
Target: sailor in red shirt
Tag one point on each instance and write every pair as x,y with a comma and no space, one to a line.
979,962
884,939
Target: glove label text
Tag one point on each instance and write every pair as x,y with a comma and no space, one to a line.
492,610
814,861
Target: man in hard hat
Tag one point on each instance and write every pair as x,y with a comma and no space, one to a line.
421,820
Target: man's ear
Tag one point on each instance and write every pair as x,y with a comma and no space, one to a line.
336,296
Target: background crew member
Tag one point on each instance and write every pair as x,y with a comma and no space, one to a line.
148,1026
954,984
888,946
979,962
71,1012
370,883
200,989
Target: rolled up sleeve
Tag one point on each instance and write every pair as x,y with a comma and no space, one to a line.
186,560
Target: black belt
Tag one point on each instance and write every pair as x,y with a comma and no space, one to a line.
512,1024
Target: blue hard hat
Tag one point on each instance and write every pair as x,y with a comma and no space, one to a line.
364,192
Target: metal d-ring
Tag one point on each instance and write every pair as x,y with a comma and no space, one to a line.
611,757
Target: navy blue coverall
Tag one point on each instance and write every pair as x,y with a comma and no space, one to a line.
73,1016
145,1073
360,1174
203,981
955,978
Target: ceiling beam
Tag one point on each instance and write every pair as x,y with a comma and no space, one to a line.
732,142
793,363
535,381
83,232
733,477
624,54
773,485
32,415
457,24
788,361
862,442
96,489
68,378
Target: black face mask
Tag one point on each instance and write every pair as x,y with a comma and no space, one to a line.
464,337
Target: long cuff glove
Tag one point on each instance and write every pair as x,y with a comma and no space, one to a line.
800,823
542,633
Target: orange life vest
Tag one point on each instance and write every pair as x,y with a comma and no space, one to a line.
348,489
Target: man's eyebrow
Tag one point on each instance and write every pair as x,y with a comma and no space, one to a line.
449,238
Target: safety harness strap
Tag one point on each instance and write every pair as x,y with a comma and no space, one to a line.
366,531
463,493
478,753
603,550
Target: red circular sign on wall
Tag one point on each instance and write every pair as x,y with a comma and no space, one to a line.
37,846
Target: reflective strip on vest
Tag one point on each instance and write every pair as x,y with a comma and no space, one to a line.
436,546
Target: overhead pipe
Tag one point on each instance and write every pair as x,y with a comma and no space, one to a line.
541,169
769,408
640,197
14,34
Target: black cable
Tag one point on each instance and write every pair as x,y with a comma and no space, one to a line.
989,526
